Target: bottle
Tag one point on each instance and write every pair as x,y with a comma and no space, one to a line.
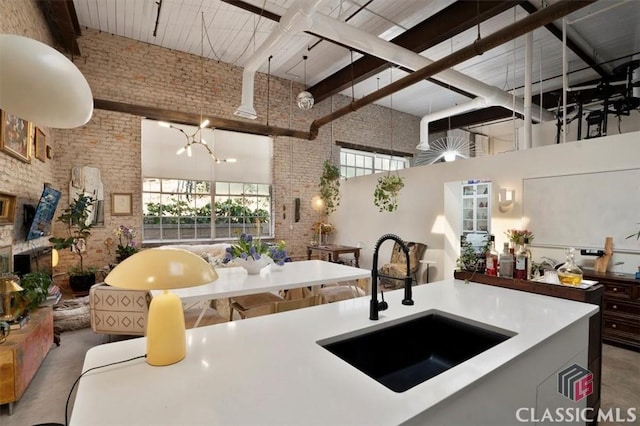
492,258
506,262
523,261
569,273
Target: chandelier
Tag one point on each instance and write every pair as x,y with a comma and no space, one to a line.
196,137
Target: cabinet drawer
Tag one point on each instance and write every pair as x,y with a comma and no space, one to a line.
616,325
619,290
615,306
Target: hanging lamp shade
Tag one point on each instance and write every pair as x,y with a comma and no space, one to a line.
39,84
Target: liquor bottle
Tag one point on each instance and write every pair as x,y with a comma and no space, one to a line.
506,262
523,261
492,258
569,273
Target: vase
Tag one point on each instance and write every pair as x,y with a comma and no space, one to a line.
250,265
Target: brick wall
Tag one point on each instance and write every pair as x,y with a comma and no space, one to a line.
124,70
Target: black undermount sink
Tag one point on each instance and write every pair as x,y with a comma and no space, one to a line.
403,355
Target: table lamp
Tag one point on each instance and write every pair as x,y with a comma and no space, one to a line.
8,285
163,269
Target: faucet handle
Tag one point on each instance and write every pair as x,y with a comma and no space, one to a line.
382,305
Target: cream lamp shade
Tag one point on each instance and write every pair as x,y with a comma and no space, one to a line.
39,84
163,269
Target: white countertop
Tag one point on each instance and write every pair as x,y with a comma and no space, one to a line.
270,370
235,281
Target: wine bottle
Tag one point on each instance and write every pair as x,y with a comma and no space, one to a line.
492,258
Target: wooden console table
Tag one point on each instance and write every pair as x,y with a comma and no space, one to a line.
593,295
22,353
334,251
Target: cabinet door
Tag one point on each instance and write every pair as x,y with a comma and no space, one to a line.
476,208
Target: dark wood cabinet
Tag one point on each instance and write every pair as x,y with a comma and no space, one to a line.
621,311
594,295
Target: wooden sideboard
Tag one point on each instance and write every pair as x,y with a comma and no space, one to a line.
593,295
22,353
621,313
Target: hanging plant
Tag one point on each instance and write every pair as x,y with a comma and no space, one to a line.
330,187
385,196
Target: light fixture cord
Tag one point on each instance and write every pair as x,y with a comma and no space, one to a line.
353,96
268,87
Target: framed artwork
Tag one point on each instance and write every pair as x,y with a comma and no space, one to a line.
121,204
7,209
40,145
6,260
15,136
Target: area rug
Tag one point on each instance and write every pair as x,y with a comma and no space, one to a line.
72,314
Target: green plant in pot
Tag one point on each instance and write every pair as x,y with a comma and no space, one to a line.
385,196
35,288
330,187
76,219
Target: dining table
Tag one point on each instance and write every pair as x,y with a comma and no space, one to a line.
235,281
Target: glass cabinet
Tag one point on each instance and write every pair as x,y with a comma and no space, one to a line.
476,207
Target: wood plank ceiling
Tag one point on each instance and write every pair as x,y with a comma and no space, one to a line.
602,39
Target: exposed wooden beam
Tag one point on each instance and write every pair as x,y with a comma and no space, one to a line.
253,9
530,8
63,23
192,119
445,24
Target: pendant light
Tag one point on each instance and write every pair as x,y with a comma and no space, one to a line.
305,99
196,137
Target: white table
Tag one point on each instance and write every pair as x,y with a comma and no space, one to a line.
235,281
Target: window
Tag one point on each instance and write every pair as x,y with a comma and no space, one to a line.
360,163
196,199
180,210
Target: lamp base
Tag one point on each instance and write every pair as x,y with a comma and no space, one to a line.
166,341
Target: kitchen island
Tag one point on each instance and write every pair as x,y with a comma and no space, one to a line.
271,370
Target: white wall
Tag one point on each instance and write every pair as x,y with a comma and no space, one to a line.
426,199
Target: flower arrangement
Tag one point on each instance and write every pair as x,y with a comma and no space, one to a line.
245,248
517,237
322,228
126,243
277,253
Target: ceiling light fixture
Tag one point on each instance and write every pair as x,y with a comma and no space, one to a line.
191,138
305,99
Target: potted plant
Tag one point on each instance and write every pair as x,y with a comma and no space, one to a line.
247,252
385,196
126,243
78,225
35,289
330,187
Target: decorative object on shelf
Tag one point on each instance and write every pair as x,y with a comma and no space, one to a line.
163,269
330,187
15,136
322,230
78,224
517,237
470,260
506,198
7,208
385,196
247,252
126,242
40,145
9,284
305,99
569,273
121,204
602,262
